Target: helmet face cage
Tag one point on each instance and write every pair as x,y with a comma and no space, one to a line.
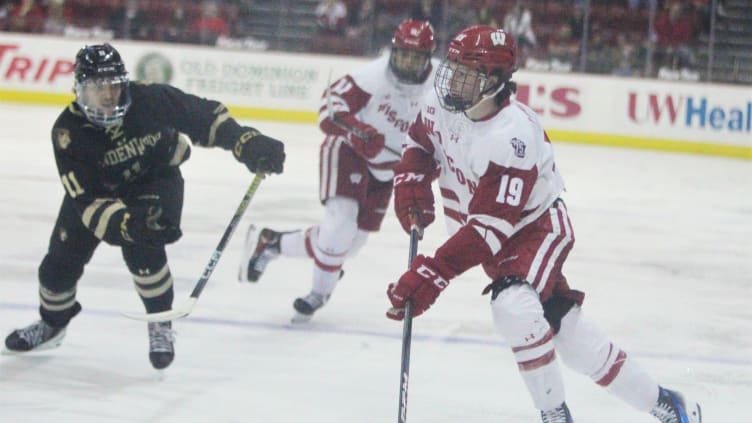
459,86
409,66
104,100
101,85
412,46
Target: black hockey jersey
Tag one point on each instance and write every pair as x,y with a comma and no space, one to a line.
98,165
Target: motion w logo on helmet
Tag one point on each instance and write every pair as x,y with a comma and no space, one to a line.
498,38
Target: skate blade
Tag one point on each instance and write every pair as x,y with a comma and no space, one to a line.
248,247
299,318
49,345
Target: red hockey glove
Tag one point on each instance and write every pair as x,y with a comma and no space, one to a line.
412,192
422,284
364,138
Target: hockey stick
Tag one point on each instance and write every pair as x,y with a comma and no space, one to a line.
186,307
344,125
407,324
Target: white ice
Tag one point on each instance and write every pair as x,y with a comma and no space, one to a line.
663,251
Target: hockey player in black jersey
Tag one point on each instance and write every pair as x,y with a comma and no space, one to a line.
118,147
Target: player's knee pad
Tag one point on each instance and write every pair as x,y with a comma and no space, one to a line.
58,273
518,315
140,258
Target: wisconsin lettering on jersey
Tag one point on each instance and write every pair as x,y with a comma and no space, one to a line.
391,117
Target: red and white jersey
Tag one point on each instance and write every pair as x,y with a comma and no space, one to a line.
497,174
373,95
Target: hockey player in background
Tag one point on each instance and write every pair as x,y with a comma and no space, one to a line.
365,116
501,194
118,147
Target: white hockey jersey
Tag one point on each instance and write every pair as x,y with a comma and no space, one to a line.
374,96
497,174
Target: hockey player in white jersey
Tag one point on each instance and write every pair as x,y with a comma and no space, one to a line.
365,116
501,195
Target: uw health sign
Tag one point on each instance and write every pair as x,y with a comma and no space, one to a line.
690,112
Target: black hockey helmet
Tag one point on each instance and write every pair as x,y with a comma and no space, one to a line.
101,85
98,60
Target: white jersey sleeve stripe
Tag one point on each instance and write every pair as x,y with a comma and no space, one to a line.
563,242
535,267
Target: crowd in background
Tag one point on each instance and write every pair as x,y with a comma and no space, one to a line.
550,33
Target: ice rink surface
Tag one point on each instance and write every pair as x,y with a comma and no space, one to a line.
663,251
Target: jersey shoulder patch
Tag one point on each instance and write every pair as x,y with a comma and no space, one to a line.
62,137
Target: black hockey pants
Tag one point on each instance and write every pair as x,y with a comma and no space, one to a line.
72,245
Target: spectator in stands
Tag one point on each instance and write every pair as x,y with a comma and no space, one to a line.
577,22
57,19
359,28
428,10
626,64
388,14
489,13
331,17
460,15
174,28
210,25
519,23
243,27
601,57
26,16
563,50
674,30
130,22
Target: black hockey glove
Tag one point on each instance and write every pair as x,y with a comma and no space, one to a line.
145,226
259,153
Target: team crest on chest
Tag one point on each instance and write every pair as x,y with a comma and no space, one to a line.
62,138
519,147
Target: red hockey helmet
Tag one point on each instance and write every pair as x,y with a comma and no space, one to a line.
480,61
415,35
486,49
413,44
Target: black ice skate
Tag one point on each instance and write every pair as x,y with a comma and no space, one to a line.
161,344
256,257
306,306
559,414
35,337
673,408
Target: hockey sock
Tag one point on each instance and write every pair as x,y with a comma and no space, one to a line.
586,349
293,244
323,281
